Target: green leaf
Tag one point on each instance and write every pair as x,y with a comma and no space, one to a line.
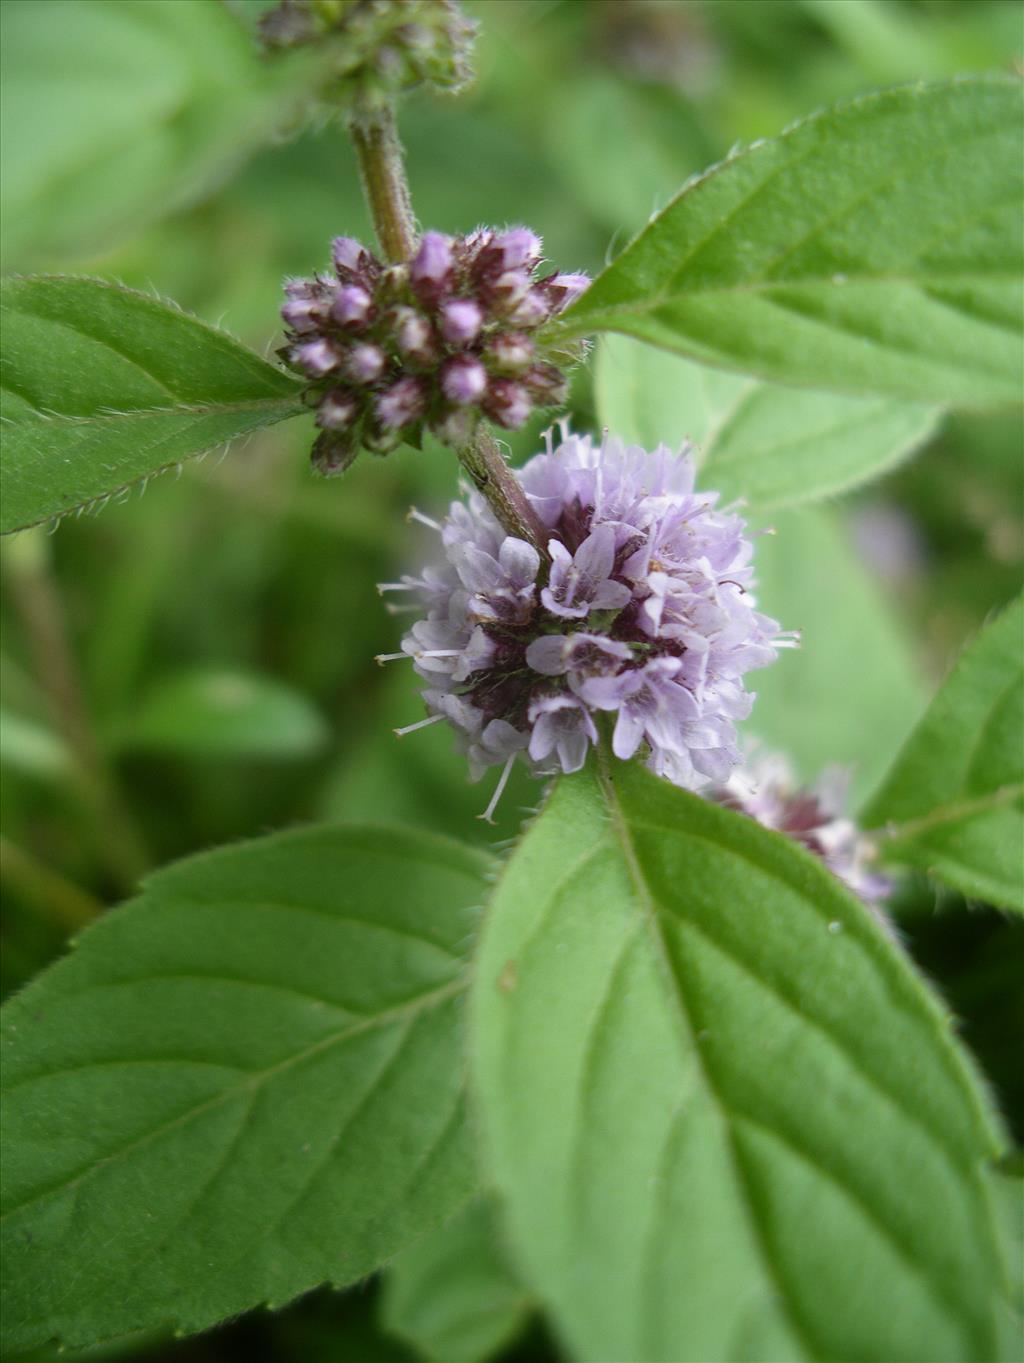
770,445
102,386
121,112
219,712
452,1294
954,801
241,1084
727,1119
852,691
873,248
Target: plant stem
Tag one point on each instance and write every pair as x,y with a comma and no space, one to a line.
492,477
374,134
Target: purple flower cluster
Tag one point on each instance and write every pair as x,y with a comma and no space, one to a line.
434,342
813,815
642,611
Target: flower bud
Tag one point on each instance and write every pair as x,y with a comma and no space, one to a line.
455,428
431,266
317,357
414,336
350,256
301,314
507,403
365,363
511,350
531,310
463,379
546,384
461,320
333,453
351,306
337,410
563,289
518,247
401,404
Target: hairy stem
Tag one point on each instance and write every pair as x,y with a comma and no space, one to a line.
492,477
374,134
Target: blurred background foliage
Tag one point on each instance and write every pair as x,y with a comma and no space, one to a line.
195,664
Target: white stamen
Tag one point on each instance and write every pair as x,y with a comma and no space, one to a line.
440,653
422,724
383,587
502,782
415,515
383,658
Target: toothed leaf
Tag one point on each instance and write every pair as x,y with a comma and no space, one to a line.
101,386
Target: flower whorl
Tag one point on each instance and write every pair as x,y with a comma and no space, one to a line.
434,342
644,613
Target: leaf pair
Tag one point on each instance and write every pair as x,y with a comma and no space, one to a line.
726,1118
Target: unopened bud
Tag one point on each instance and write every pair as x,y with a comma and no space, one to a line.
518,247
461,320
414,336
301,314
546,384
404,402
507,403
337,410
511,350
351,306
563,289
432,264
350,256
317,358
463,380
365,363
531,310
333,453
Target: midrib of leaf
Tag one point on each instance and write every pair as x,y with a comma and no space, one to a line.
108,416
730,1118
408,1010
688,1034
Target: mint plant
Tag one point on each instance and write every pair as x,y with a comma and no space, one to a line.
657,1077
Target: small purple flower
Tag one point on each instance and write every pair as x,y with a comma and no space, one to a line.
646,613
582,582
302,314
564,289
508,403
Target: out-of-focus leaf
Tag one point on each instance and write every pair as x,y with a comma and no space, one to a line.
851,691
243,1083
217,712
452,1294
873,248
954,801
29,747
118,111
727,1119
103,386
770,445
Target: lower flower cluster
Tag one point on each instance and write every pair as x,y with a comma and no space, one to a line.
641,610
